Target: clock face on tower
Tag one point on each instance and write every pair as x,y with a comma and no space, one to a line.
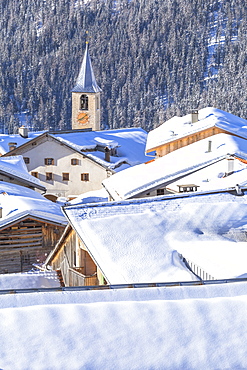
83,118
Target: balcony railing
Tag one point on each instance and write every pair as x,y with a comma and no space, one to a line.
75,277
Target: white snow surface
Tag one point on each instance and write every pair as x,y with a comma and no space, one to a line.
15,165
140,240
94,196
215,176
129,142
18,201
5,139
178,127
180,163
29,280
203,327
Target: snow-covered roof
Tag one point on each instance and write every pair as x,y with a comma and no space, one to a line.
130,144
141,240
18,202
6,140
15,166
179,127
215,176
202,327
94,196
174,166
86,81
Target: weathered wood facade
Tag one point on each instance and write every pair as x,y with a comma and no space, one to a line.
26,242
71,258
181,142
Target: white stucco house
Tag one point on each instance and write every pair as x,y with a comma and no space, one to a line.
70,163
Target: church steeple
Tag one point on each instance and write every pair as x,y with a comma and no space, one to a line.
86,97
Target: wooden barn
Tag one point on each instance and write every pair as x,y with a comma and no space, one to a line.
25,242
30,226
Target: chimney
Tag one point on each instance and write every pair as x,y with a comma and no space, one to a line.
12,145
230,166
194,116
238,190
209,146
23,131
107,154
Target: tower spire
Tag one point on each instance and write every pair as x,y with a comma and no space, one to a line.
86,81
86,97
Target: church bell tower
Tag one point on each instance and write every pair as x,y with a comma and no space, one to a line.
86,97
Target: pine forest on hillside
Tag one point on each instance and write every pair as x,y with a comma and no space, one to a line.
152,58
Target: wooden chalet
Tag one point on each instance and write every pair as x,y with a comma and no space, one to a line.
182,131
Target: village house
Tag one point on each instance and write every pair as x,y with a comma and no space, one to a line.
158,239
178,132
73,162
30,226
69,163
196,167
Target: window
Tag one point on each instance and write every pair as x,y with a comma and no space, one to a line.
160,191
65,176
35,174
49,161
84,102
49,176
74,161
26,160
85,177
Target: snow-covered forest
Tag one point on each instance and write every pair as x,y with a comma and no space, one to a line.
152,58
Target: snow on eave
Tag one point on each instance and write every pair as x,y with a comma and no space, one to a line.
24,180
154,199
44,217
6,168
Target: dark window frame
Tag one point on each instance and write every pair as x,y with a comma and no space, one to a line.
160,192
84,176
74,162
35,174
49,176
83,102
65,176
49,161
